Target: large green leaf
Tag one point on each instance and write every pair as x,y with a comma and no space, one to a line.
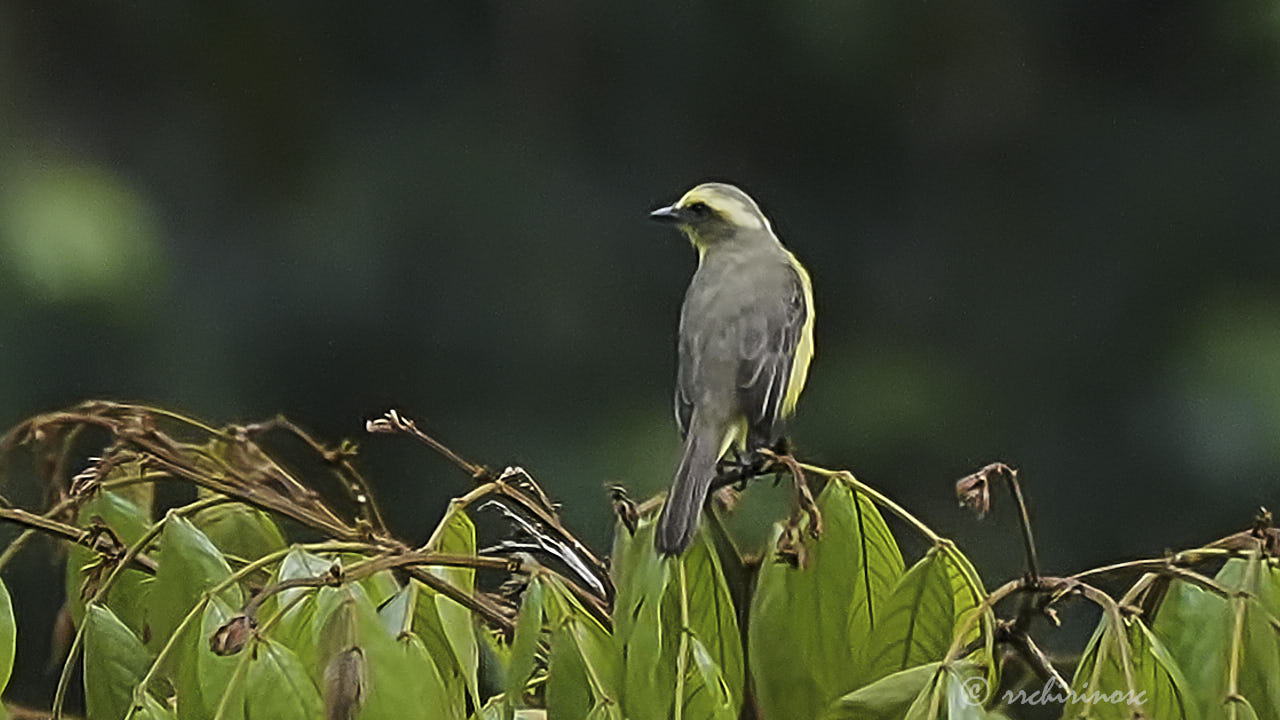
659,599
456,535
706,694
402,681
240,530
429,628
957,691
583,669
1259,650
278,687
203,677
150,709
568,690
128,520
1198,628
8,636
1126,670
190,565
885,699
298,627
713,620
524,646
114,662
641,632
808,623
917,621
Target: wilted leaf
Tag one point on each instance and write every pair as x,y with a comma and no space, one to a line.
808,623
114,661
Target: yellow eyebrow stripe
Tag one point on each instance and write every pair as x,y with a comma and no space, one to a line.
733,210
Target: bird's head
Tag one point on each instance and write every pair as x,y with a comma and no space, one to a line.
712,212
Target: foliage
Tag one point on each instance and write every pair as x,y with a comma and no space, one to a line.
205,612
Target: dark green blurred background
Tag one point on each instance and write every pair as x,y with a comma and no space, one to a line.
1039,232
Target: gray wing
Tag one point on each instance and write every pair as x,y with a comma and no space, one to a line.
684,397
769,334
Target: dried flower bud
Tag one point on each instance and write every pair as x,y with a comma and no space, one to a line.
344,684
974,492
230,638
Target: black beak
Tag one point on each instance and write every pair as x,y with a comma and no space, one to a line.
669,214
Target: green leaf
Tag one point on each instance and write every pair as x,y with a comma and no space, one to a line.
456,535
524,646
240,530
582,671
1197,627
151,709
568,691
1259,660
643,632
1101,689
706,694
129,521
967,692
278,687
402,681
114,662
713,619
916,624
8,636
885,699
808,623
297,627
428,626
189,566
203,677
649,618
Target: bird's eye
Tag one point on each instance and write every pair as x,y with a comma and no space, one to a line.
700,209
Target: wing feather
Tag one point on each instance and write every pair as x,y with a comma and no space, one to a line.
769,339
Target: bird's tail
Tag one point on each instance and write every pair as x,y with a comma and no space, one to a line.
697,469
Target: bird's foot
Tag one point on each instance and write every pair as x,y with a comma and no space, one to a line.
806,507
790,548
738,468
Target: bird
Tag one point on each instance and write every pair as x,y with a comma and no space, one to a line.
744,349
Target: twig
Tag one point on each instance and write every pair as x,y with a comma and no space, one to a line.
90,538
351,478
394,422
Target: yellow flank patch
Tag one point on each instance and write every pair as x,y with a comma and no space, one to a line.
735,436
804,347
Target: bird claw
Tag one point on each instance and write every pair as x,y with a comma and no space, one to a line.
806,507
